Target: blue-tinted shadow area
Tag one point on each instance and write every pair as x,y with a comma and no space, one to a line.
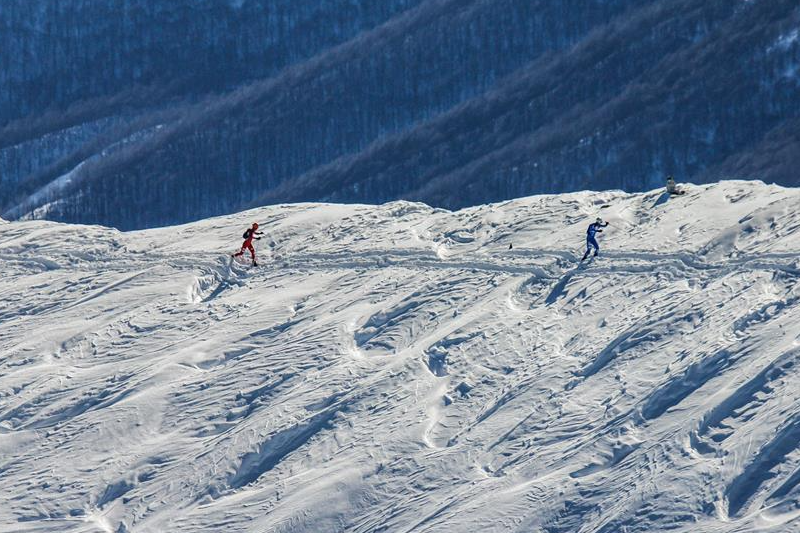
662,199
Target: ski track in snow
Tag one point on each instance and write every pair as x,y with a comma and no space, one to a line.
398,368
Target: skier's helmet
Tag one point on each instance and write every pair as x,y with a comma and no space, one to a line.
255,225
598,220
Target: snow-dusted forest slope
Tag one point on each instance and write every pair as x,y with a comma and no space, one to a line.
143,113
399,368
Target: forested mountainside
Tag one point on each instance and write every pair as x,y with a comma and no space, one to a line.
62,53
137,114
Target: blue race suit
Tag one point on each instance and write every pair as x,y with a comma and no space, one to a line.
591,241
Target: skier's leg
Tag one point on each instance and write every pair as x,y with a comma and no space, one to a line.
240,252
252,252
593,243
588,249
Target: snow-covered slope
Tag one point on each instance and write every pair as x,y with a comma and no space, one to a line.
399,368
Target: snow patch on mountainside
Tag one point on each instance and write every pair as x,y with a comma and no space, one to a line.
403,368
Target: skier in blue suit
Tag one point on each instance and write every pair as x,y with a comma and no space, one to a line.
591,242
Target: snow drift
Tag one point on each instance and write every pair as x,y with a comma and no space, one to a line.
400,368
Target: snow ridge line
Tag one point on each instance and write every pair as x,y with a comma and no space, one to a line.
746,487
429,260
738,405
553,271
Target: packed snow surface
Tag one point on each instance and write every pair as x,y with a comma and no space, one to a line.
401,369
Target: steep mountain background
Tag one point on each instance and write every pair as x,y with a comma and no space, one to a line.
137,113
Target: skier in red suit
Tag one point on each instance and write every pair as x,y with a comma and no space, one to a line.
249,235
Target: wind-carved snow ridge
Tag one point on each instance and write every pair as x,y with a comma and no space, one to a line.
273,450
399,368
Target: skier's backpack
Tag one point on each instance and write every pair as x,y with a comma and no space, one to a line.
246,234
